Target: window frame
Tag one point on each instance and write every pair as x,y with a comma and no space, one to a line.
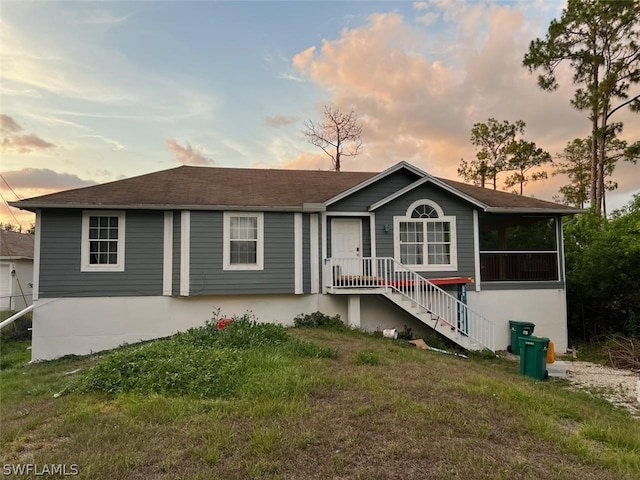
453,243
226,244
85,251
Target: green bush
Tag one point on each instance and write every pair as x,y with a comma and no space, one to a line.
319,320
206,362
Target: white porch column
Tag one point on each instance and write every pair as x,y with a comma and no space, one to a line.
353,311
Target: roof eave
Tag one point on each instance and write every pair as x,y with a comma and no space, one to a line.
32,206
559,210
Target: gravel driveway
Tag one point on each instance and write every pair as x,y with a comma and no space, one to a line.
620,387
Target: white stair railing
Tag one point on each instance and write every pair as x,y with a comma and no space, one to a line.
387,275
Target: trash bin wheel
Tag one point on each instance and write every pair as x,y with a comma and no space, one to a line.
509,349
546,374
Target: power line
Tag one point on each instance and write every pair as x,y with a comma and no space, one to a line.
9,186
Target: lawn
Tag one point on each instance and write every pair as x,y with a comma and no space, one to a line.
315,404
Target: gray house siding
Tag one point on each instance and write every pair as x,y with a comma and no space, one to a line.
451,206
60,275
360,200
207,276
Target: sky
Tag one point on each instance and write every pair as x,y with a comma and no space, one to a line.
93,92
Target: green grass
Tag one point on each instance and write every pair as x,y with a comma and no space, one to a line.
305,403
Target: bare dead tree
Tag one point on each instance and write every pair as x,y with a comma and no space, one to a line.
339,135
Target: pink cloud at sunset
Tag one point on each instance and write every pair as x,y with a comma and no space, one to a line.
187,155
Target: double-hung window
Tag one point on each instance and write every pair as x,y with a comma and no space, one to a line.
425,239
243,241
102,248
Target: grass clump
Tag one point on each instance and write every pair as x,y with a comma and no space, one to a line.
209,362
319,320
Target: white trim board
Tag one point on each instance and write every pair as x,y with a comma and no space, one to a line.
167,255
185,251
298,266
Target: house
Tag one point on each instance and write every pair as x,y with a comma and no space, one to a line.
16,270
144,257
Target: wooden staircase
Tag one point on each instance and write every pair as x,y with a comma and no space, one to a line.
415,294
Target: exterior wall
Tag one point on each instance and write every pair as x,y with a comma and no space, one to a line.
451,206
18,287
60,275
80,326
547,309
207,276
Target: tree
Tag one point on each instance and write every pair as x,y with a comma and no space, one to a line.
338,136
493,139
599,39
525,156
577,163
603,273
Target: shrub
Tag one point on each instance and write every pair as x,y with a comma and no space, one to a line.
206,362
319,320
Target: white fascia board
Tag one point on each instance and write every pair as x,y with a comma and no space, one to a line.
422,181
550,210
375,178
313,207
25,205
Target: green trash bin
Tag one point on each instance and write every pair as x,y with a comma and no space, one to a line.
518,329
533,357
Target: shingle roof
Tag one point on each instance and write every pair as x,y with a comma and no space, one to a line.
201,186
498,199
189,186
15,245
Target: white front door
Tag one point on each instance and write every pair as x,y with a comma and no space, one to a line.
346,242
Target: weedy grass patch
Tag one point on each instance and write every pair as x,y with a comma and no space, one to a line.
253,401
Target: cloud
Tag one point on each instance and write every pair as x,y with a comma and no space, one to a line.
187,155
8,124
44,179
418,90
279,120
308,161
19,143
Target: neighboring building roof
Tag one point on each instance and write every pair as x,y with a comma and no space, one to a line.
210,187
14,245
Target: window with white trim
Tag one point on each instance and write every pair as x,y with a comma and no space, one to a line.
425,238
102,248
243,241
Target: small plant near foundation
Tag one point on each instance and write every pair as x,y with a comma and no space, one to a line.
319,320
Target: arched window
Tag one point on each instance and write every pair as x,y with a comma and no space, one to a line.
425,238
